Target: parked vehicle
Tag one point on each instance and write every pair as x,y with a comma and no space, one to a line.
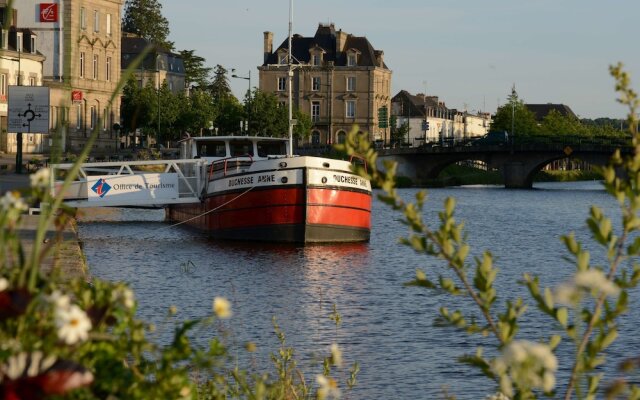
497,138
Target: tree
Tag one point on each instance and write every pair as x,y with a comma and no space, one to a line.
135,108
514,117
220,88
229,114
265,115
302,128
144,18
195,72
555,123
197,112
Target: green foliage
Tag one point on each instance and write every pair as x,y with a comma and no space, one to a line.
585,309
144,18
265,115
195,71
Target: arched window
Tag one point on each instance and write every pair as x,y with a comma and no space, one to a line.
342,137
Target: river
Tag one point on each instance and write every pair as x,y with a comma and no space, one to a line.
388,328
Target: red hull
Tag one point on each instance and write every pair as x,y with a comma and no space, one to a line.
290,214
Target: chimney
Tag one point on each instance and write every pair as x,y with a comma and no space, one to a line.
268,45
379,58
341,40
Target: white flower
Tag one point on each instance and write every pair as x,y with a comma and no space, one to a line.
39,363
12,201
4,284
73,324
222,307
336,355
125,295
594,279
328,388
40,178
59,300
527,364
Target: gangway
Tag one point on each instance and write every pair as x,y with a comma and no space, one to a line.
153,183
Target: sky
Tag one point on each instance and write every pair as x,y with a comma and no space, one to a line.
469,53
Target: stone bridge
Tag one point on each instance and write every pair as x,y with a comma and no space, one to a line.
518,163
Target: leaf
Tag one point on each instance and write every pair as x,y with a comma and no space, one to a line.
562,315
609,338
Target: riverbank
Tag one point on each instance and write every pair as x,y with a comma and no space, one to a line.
66,249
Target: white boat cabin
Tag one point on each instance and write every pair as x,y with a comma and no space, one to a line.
215,148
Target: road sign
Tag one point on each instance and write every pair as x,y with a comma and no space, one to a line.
28,109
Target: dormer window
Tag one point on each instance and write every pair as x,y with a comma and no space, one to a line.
33,44
282,57
316,60
19,41
352,59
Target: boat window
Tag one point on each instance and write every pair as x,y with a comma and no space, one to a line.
241,148
270,147
211,149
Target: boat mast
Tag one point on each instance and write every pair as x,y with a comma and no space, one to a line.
290,80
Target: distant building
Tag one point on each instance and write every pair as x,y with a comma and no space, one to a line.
159,64
444,124
542,110
338,79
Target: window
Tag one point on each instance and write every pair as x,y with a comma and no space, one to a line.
95,66
108,70
32,81
282,84
316,59
342,137
96,21
33,44
19,41
283,58
351,109
82,64
351,83
352,60
104,119
83,18
315,111
315,137
5,39
109,24
93,117
315,83
212,149
3,85
79,116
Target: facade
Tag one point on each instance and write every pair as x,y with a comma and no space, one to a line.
338,79
444,124
80,40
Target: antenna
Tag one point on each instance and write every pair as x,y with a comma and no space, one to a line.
290,80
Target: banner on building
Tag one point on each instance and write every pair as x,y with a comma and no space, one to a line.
76,96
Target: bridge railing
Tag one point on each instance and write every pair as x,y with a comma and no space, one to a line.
573,140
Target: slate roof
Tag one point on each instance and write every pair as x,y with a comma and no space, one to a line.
542,110
325,38
417,103
131,47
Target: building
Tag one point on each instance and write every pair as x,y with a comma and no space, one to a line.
542,110
21,63
430,121
158,66
338,79
80,40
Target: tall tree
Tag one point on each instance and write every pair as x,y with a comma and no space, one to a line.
265,115
220,88
144,18
196,74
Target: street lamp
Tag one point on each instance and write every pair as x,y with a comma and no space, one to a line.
248,78
158,70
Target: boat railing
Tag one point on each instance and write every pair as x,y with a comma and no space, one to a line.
224,165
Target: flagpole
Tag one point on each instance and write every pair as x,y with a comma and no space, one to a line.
290,80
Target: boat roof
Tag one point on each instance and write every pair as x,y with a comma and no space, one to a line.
234,137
